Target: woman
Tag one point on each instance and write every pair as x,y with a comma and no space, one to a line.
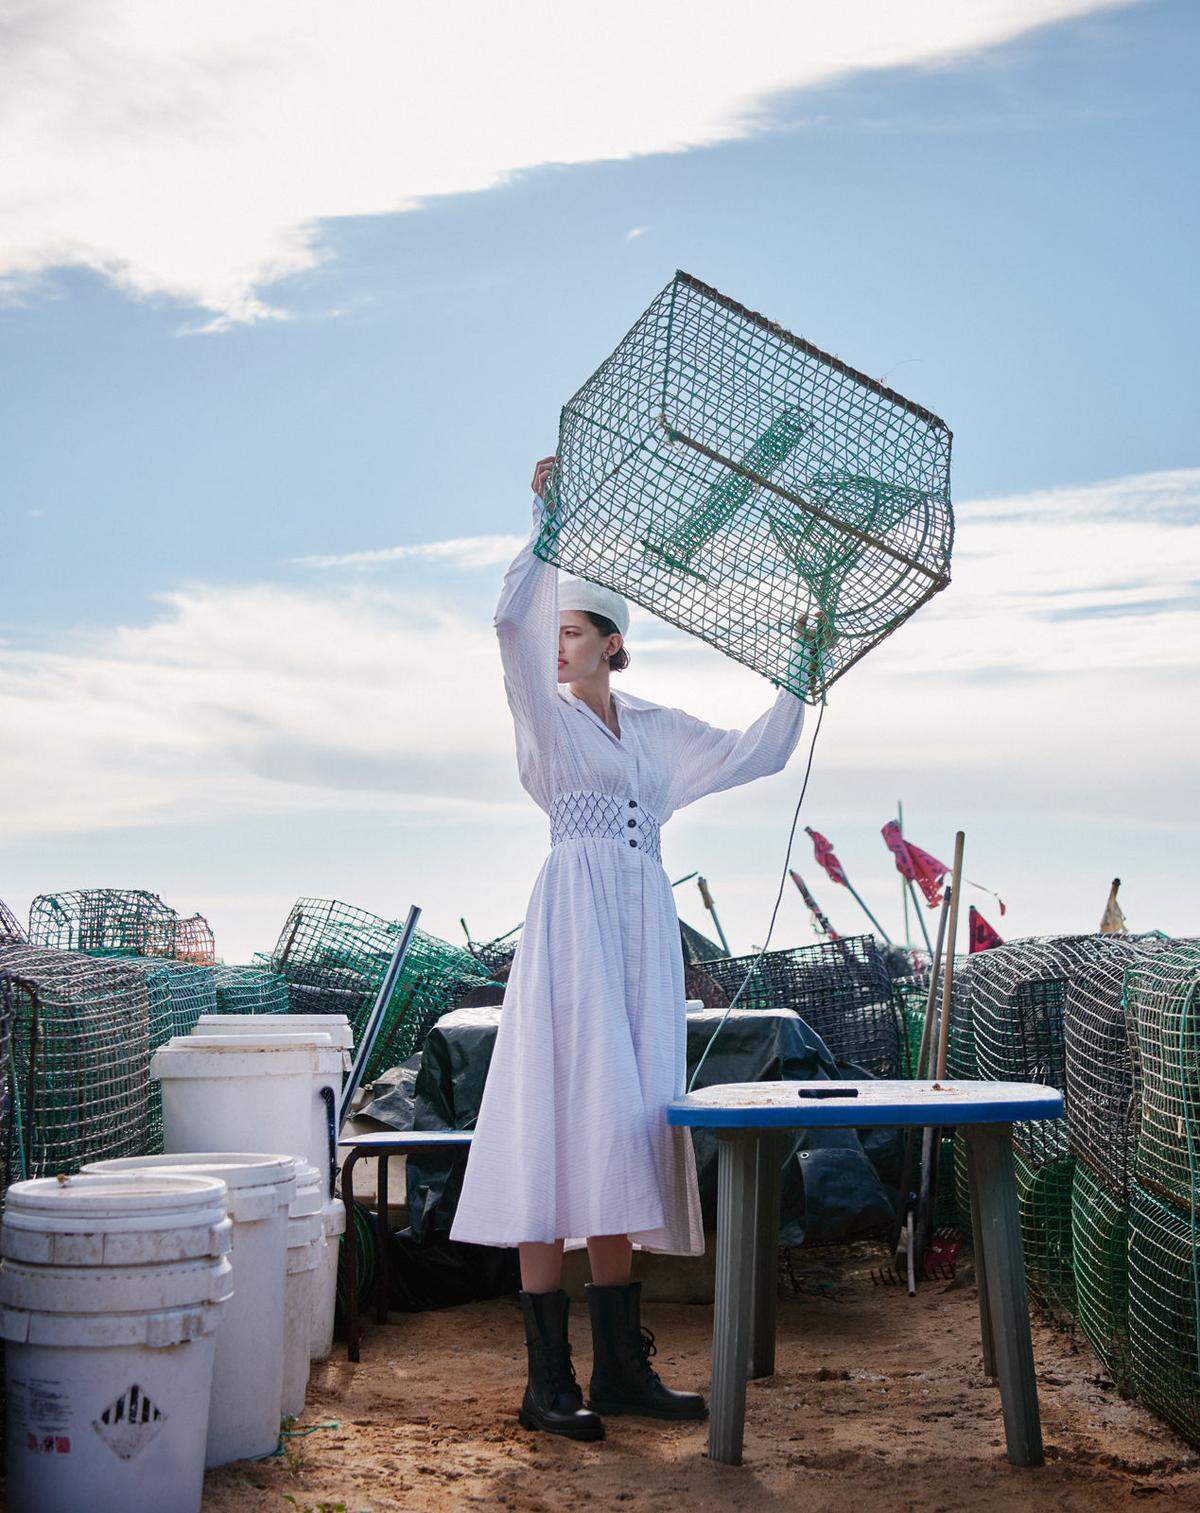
572,1143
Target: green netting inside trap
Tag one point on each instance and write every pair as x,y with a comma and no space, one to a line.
1099,1253
946,1208
1044,1201
83,1033
753,490
911,994
249,990
334,958
1164,1310
840,988
1162,1005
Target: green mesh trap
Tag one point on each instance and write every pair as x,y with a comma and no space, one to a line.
1162,1005
1164,1310
841,989
118,922
10,926
910,994
946,1209
1044,1202
249,990
751,489
1099,1254
83,1033
962,1059
334,957
194,941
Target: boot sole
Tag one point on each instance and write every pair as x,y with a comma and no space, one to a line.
527,1421
630,1410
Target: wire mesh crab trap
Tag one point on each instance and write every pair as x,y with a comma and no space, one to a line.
751,489
1099,1254
1164,1310
841,989
1102,1109
1044,1204
10,926
334,957
1162,1005
104,922
83,1033
194,941
495,955
249,990
962,1059
911,994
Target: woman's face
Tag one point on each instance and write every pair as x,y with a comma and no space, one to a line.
581,647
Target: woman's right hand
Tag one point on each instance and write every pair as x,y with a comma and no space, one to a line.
540,473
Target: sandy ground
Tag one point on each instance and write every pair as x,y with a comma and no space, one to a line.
878,1402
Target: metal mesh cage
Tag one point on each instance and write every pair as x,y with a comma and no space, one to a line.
962,1060
1164,1310
1102,1108
911,995
495,955
1044,1202
83,1033
334,957
249,990
1162,990
839,988
194,941
9,1129
10,926
1099,1253
104,921
752,489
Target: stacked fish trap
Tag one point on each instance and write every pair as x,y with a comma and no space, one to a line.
117,922
11,932
334,958
194,941
83,1032
841,989
757,492
911,994
1162,1004
249,990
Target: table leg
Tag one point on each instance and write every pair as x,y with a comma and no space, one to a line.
383,1236
985,1310
733,1303
351,1258
768,1156
1004,1266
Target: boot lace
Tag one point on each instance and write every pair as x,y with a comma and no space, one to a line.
646,1348
560,1372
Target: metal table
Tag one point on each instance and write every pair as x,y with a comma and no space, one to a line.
750,1121
384,1145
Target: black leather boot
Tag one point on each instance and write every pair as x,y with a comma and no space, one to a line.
553,1400
622,1378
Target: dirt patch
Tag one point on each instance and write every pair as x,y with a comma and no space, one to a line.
878,1402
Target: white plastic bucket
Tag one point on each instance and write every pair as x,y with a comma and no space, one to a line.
241,1092
333,1217
109,1358
247,1387
305,1246
336,1026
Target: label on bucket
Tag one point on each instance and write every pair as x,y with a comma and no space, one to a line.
41,1414
129,1424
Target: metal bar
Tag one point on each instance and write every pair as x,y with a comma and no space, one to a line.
909,889
1004,1265
903,880
382,1236
736,1167
371,1031
858,899
767,1160
350,1257
941,579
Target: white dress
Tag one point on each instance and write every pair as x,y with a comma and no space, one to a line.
571,1138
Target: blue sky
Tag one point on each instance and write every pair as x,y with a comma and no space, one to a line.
1006,234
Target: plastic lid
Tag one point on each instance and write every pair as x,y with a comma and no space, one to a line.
237,1169
309,1192
336,1026
97,1195
263,1040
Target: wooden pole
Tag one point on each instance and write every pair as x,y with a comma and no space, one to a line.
948,989
903,881
702,884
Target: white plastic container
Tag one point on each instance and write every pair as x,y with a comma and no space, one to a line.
333,1217
305,1247
111,1291
242,1092
336,1026
247,1386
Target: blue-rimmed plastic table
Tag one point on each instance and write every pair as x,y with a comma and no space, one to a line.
383,1145
751,1121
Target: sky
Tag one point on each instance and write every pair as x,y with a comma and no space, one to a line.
290,299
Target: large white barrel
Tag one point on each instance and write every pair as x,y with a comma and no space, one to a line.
243,1092
247,1388
325,1283
111,1292
305,1247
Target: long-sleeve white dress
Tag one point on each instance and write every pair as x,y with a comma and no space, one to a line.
571,1138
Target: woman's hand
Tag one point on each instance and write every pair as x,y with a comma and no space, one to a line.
540,473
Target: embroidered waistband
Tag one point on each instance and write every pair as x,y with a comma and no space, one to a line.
608,816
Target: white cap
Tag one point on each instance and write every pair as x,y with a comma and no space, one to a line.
578,593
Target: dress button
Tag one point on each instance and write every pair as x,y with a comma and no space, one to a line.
633,803
633,843
632,824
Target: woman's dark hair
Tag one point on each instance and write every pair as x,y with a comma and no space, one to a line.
619,660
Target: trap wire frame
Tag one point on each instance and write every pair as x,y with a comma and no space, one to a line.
1100,1258
334,957
749,488
1162,1005
11,932
841,989
249,990
1164,1310
118,922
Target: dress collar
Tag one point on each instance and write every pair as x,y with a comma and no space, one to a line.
618,703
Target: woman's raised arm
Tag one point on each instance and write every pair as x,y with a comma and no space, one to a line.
526,622
707,759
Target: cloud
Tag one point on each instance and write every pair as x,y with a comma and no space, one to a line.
465,552
194,151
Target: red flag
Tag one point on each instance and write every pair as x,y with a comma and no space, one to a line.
982,936
823,851
917,865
